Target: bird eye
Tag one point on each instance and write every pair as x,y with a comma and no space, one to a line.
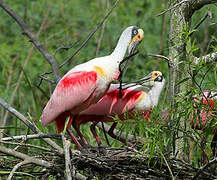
159,79
135,31
156,74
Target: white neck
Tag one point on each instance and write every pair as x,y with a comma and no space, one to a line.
122,45
155,92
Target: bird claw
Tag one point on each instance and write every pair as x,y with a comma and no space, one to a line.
91,149
102,150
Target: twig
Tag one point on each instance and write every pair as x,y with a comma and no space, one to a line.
29,124
27,145
64,48
27,161
171,173
202,20
197,4
101,34
20,155
163,31
204,167
50,59
66,146
34,136
160,56
165,11
90,35
46,79
169,61
68,164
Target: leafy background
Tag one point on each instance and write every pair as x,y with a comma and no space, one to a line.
70,22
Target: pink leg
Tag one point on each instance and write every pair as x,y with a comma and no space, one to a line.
72,135
203,147
213,145
121,139
93,130
80,134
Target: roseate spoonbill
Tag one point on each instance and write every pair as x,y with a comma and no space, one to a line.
135,98
86,83
205,112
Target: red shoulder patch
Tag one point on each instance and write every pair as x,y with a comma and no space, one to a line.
77,78
126,95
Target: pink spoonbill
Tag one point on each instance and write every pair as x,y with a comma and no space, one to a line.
206,113
135,98
86,83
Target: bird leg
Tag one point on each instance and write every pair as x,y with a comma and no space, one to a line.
213,145
77,129
119,138
69,130
93,130
203,147
100,147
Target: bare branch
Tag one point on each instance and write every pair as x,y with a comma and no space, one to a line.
27,145
50,59
160,56
68,164
18,166
34,136
171,173
169,61
202,20
205,167
198,4
90,35
66,146
29,124
20,155
172,7
207,58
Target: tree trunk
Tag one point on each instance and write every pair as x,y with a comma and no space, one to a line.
178,24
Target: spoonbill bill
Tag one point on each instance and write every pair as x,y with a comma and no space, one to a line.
86,83
136,97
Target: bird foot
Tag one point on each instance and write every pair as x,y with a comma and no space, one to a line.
102,150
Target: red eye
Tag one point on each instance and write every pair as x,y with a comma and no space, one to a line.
156,74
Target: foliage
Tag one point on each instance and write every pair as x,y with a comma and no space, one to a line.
70,22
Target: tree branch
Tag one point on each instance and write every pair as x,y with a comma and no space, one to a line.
204,167
172,7
66,146
34,136
26,145
20,155
50,59
207,58
29,124
16,167
90,35
198,4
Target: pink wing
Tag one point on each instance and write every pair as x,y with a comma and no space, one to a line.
207,109
112,104
70,93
